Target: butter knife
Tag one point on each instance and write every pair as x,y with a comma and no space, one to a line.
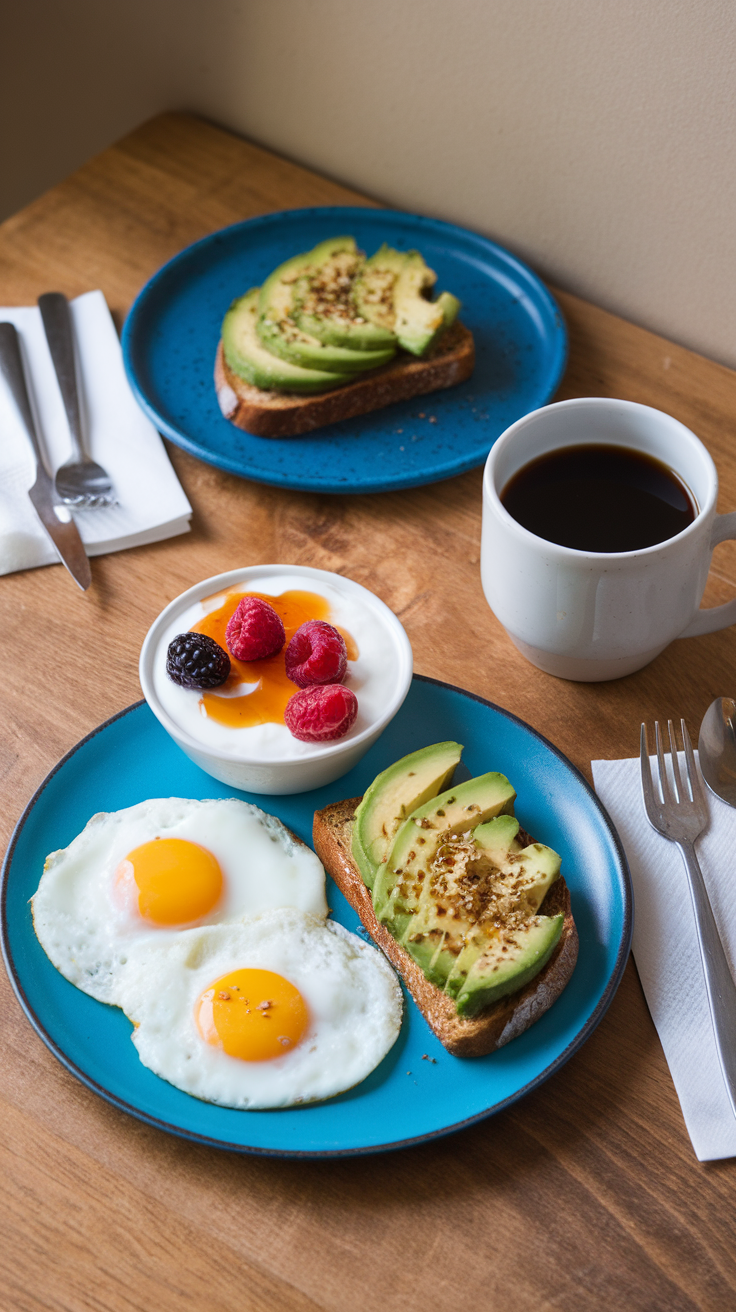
55,518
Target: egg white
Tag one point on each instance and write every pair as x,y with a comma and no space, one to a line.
352,994
88,934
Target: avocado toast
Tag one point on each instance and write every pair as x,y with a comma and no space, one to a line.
469,909
331,335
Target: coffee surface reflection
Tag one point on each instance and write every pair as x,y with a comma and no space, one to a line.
600,498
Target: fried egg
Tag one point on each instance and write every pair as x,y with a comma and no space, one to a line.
277,1010
151,870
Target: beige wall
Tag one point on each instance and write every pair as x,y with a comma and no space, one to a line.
596,138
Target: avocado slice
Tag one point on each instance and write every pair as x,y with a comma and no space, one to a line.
509,960
278,289
392,291
518,879
324,308
394,794
457,810
281,335
418,321
462,895
373,288
249,359
533,869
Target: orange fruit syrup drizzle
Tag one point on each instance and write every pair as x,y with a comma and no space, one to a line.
271,687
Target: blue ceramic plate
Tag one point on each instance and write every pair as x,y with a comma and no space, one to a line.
171,335
408,1098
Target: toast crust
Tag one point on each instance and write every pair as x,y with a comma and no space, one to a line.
463,1036
277,414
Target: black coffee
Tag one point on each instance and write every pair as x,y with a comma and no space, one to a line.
599,498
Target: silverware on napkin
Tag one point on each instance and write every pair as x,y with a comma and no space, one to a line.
80,481
680,814
55,518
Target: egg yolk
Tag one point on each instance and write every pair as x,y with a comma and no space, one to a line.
173,881
255,1015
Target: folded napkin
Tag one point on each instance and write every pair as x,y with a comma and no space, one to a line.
151,504
666,950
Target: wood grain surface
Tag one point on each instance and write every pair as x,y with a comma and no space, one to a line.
584,1195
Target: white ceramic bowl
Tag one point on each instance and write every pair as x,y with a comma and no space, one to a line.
267,759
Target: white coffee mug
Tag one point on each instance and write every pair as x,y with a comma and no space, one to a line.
587,615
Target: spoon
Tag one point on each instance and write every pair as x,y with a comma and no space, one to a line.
717,749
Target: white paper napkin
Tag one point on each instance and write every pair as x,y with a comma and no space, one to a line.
666,950
151,503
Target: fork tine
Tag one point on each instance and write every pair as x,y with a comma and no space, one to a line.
674,754
90,502
664,783
647,786
696,788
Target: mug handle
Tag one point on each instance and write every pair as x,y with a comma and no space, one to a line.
711,618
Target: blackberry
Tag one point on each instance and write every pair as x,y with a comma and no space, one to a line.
196,661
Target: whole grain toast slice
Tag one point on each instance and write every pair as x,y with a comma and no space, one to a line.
463,1036
276,414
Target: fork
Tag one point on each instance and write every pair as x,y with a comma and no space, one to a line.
80,481
681,815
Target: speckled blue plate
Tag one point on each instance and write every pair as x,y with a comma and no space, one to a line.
408,1098
171,335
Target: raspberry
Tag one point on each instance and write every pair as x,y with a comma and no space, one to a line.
254,630
195,661
316,654
322,713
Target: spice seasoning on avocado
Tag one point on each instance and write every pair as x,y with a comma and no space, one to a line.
468,887
329,289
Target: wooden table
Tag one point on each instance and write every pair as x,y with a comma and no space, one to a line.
587,1193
